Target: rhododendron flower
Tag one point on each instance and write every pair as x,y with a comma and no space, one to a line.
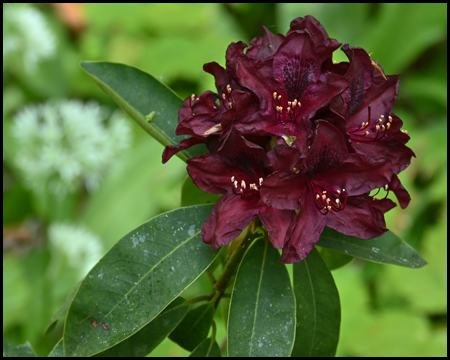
330,186
238,170
296,140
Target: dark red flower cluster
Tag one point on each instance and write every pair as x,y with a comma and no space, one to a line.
296,140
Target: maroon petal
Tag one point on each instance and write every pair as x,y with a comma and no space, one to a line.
228,219
283,189
400,192
296,65
171,150
321,94
359,75
283,157
279,224
212,174
269,45
257,75
306,233
324,45
220,75
359,218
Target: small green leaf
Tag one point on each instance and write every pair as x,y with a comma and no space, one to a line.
318,308
194,328
146,270
24,350
144,98
58,350
334,259
207,348
145,340
386,249
192,195
262,308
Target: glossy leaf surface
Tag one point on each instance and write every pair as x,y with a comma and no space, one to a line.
262,309
58,350
194,328
146,270
207,349
386,249
148,102
145,340
318,308
334,259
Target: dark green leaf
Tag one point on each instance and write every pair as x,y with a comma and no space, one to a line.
262,308
58,350
386,249
194,328
207,349
334,259
192,195
318,308
24,350
150,103
144,341
146,270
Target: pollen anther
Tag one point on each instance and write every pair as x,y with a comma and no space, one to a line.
260,181
243,184
232,179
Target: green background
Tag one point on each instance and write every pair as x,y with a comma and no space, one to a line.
386,310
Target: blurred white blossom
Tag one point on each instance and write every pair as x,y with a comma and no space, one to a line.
27,34
63,144
75,244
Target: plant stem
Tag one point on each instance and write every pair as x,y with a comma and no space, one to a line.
232,264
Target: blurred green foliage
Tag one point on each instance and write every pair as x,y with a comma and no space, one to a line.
386,310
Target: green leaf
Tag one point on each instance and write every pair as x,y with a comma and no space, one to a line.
386,249
207,348
262,308
334,259
144,341
146,270
194,328
58,350
318,308
144,98
24,350
192,195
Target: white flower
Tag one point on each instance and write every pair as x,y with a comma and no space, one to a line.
77,245
64,144
26,33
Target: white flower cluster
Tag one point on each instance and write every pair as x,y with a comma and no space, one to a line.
62,144
26,33
81,247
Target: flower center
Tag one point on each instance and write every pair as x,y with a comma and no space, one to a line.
286,110
371,131
246,191
326,200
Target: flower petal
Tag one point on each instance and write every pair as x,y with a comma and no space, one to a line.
230,216
360,218
400,192
279,224
306,233
283,189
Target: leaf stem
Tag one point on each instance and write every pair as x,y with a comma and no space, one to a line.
232,264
